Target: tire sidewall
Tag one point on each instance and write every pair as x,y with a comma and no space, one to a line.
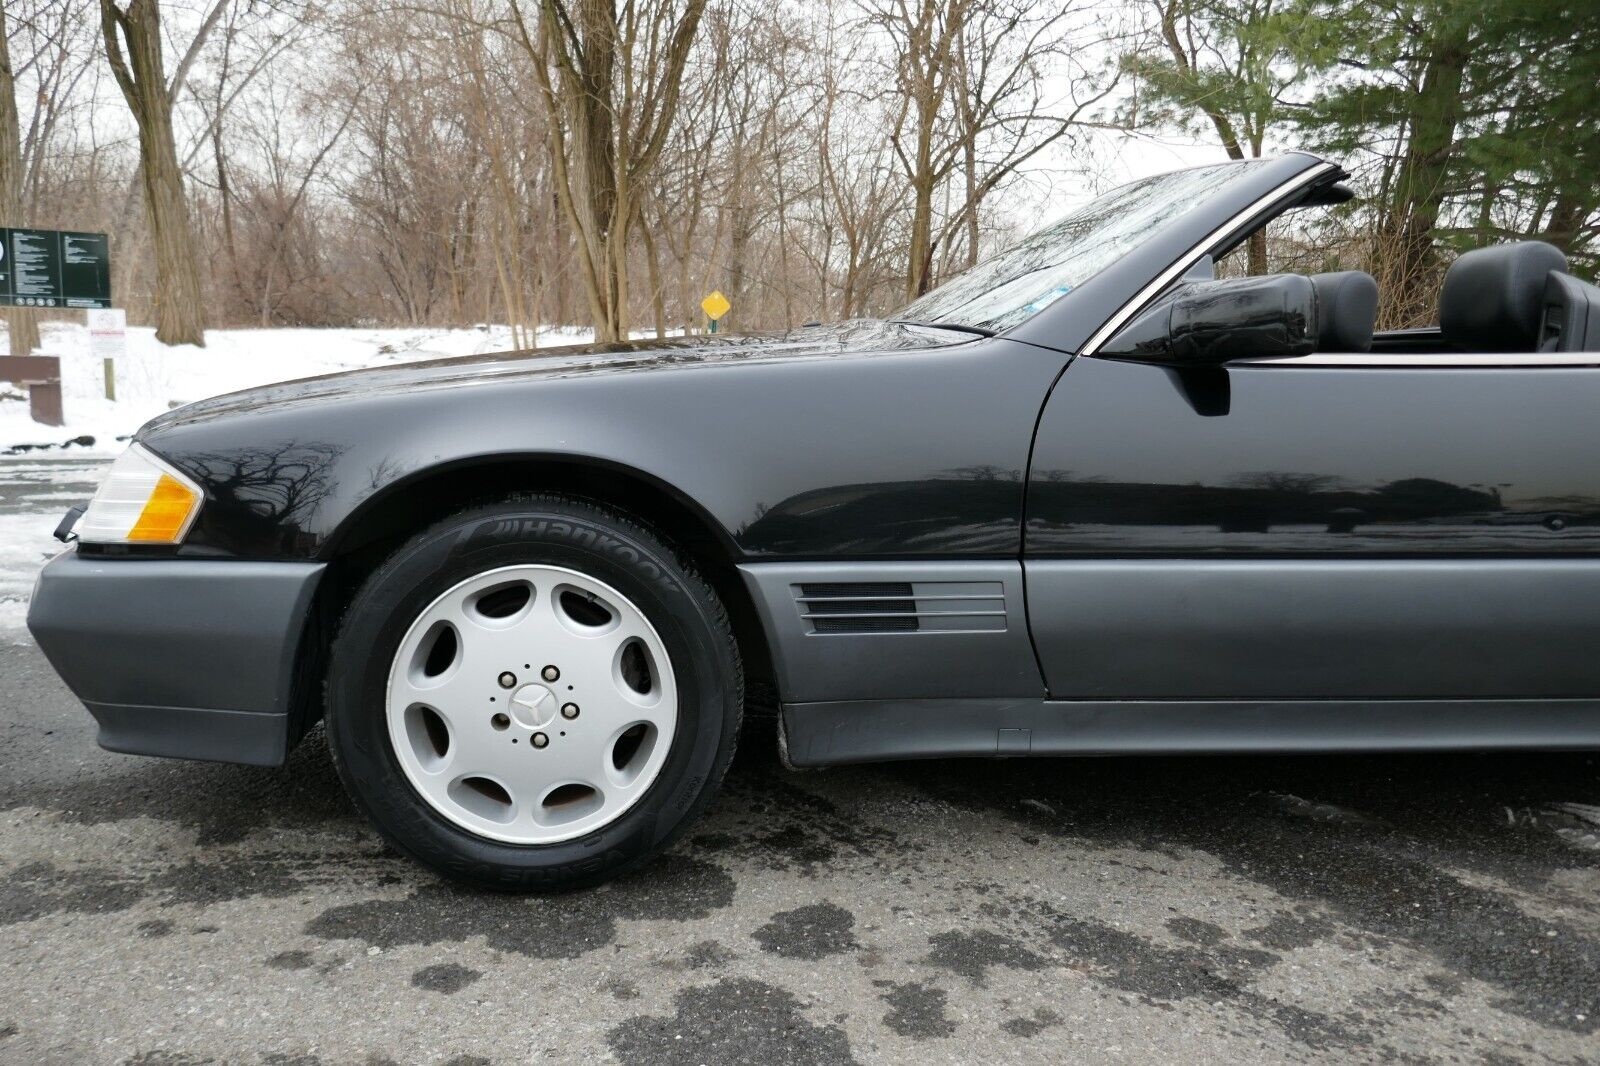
577,537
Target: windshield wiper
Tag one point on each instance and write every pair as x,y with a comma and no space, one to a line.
979,330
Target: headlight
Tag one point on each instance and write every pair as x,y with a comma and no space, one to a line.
142,501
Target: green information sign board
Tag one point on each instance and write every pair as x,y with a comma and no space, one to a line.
54,268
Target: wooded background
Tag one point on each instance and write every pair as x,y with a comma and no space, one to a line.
607,163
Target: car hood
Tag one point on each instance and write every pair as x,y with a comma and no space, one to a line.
859,336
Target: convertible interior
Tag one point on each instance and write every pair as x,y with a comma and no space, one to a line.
1508,298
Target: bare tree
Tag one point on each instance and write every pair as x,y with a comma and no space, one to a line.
612,101
1223,63
970,99
133,43
23,324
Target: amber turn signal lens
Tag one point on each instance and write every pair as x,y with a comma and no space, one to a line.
164,513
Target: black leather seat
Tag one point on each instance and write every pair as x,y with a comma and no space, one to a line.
1347,310
1493,298
1571,321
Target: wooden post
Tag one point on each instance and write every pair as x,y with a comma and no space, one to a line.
44,403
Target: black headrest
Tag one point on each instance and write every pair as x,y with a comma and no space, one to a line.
1347,310
1493,297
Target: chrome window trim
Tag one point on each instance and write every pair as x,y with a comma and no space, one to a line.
1194,254
1399,360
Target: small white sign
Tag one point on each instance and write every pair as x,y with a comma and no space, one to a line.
108,332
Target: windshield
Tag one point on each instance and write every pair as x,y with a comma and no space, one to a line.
1026,278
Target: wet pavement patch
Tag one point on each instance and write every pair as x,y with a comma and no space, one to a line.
445,914
290,960
271,875
1298,807
1157,974
221,804
916,1010
41,888
446,977
971,955
1545,970
708,954
1027,1028
733,1020
1378,854
794,845
675,888
1197,931
813,932
1286,931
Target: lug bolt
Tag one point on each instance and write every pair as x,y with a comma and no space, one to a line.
508,679
500,721
550,673
569,710
540,740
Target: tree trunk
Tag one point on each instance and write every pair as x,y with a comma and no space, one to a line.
24,324
1227,134
605,139
1565,219
1419,187
658,306
133,46
783,247
1257,251
969,151
739,234
920,257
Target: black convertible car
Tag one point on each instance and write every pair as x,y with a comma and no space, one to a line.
1084,499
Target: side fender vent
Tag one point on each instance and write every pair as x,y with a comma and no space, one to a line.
903,606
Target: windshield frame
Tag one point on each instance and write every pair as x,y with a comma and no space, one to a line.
1237,208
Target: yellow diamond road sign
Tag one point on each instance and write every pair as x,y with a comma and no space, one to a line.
715,306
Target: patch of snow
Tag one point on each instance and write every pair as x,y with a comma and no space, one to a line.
153,377
25,546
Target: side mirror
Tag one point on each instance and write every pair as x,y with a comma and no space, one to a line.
1206,323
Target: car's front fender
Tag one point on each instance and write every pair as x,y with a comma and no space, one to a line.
914,452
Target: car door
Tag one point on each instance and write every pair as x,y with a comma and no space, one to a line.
1381,527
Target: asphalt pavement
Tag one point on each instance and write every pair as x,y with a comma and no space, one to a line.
1260,910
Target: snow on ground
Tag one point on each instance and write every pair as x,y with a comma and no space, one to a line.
35,491
25,546
153,378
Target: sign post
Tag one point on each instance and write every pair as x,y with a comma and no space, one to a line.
54,268
108,339
715,306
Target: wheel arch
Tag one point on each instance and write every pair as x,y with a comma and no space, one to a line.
438,490
375,529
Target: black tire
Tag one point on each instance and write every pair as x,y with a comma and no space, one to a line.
555,530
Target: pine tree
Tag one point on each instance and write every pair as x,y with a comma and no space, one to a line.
1471,121
1222,64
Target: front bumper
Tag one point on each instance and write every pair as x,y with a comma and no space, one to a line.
188,658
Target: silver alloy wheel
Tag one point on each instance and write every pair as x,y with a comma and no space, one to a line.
531,704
